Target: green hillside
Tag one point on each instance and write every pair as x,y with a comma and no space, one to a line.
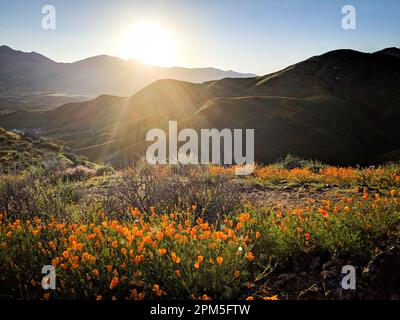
19,152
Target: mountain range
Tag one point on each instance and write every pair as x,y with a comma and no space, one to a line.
342,107
30,73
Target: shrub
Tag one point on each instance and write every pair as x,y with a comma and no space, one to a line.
77,173
170,187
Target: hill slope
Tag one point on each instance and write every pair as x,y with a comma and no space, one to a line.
19,152
342,107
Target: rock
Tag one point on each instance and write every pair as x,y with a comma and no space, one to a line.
383,272
315,263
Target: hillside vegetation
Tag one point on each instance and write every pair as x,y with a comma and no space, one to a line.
21,152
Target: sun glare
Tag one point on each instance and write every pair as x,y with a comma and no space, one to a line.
149,42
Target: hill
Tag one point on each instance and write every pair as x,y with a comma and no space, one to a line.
341,107
23,73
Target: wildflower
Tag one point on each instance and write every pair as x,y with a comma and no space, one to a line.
115,273
205,297
115,244
159,236
146,239
393,193
95,273
323,212
65,254
178,273
307,236
250,256
204,226
199,260
244,217
239,226
162,251
237,274
250,298
220,260
52,245
9,234
114,282
156,289
123,251
271,298
258,234
99,297
55,261
175,258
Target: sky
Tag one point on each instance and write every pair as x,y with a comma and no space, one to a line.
258,36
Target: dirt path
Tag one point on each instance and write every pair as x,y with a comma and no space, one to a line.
285,198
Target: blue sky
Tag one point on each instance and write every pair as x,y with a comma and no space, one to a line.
257,36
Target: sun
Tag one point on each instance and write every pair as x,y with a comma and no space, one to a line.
149,42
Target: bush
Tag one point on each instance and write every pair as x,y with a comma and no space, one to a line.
36,194
78,173
175,187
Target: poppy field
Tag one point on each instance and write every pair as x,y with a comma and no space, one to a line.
185,251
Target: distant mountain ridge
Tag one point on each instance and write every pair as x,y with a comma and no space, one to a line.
342,107
31,72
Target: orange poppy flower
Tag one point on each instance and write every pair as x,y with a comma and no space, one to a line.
250,256
114,282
